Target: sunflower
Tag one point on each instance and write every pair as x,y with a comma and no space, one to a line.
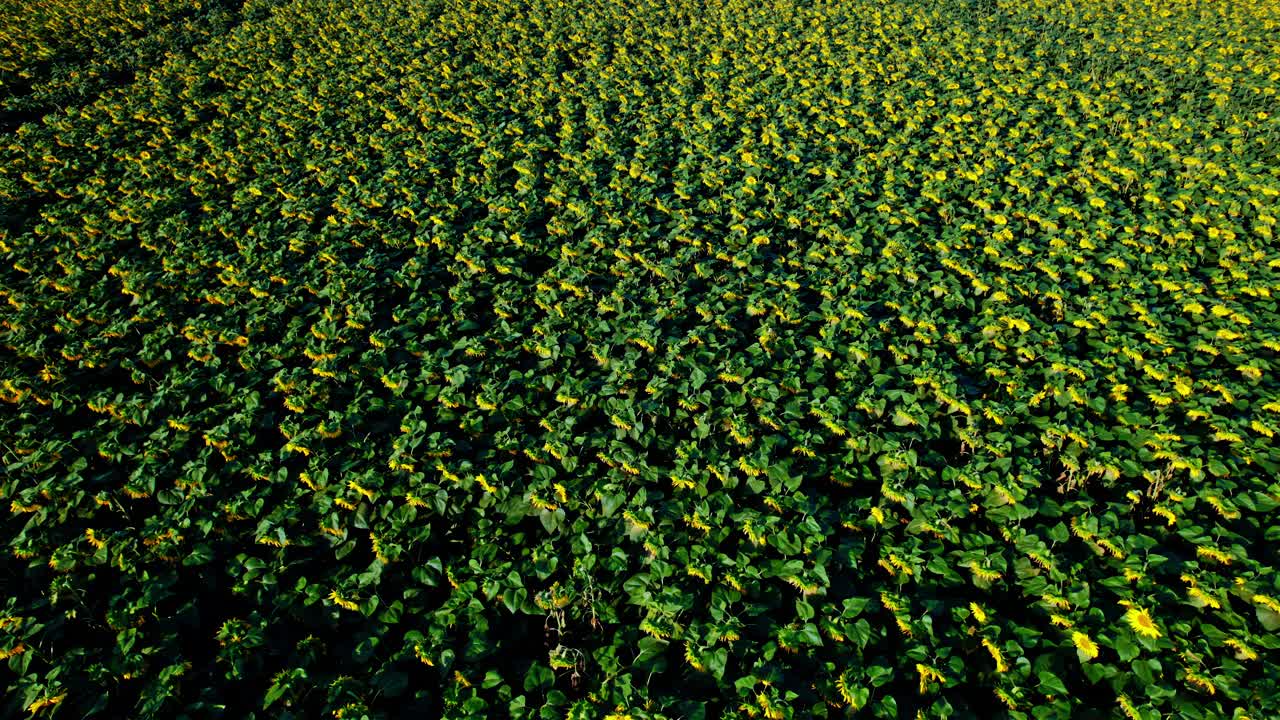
1141,622
978,613
1086,648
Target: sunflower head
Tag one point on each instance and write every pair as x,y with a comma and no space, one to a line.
1086,648
1140,620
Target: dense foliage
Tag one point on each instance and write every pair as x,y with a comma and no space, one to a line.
58,55
651,359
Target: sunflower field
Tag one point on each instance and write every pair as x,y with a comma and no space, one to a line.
661,359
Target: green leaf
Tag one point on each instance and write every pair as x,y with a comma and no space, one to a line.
1051,684
809,635
201,554
1145,670
887,707
697,378
539,677
853,606
1269,618
1059,533
716,661
860,633
551,519
610,502
651,652
1125,648
803,609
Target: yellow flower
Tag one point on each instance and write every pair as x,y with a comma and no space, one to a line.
1141,622
1086,648
1243,652
45,702
1200,598
978,613
13,651
342,602
1201,683
928,674
1001,665
1215,555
